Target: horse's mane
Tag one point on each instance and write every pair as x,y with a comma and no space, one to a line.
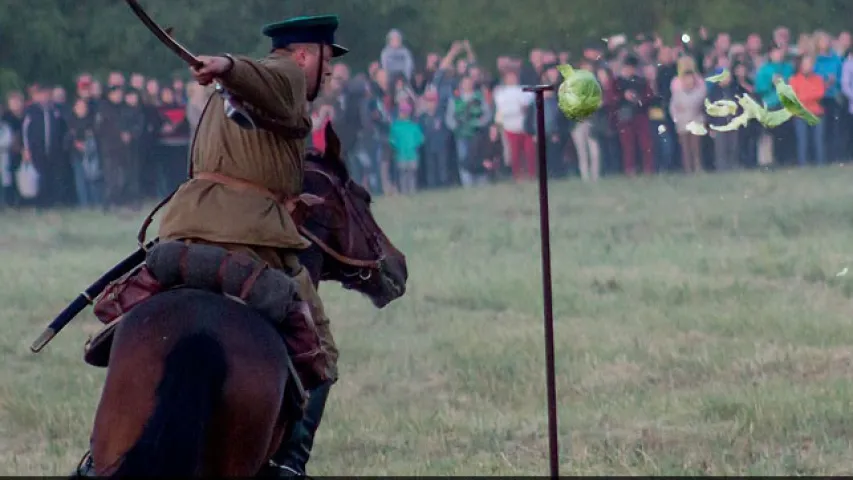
333,166
331,162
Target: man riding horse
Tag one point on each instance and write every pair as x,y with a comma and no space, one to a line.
216,207
246,177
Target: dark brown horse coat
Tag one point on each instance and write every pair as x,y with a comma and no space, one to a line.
197,383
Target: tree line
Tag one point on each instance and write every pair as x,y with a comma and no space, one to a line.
54,40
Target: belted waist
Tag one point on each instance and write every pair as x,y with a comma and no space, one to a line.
295,205
288,201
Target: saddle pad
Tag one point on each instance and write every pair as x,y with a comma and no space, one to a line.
96,351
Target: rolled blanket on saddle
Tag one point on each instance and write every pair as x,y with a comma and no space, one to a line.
271,292
213,268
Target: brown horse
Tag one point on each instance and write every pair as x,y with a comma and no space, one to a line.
197,384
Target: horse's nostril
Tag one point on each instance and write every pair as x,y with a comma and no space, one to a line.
397,267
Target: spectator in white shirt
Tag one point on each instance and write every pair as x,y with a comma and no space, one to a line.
511,104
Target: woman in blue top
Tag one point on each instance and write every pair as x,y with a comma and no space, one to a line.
765,90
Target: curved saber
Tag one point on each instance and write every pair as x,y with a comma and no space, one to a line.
235,109
164,36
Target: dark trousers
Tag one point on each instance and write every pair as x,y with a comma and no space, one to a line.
834,136
632,133
435,166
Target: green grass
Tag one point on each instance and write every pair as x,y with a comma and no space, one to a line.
700,326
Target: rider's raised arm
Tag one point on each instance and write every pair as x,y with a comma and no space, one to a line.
275,83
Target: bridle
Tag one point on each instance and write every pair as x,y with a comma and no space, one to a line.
319,79
363,269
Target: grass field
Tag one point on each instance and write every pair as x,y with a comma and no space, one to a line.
701,325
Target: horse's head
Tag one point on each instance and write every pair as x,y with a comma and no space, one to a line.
356,252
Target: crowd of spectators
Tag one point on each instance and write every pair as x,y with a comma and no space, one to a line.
111,146
446,120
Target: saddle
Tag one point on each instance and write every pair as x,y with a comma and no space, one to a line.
177,264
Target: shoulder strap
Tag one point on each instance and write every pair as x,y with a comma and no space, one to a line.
140,236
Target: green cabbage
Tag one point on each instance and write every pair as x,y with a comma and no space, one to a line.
579,96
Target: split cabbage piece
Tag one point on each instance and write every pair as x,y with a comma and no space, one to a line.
720,108
696,128
792,104
753,111
740,121
720,77
776,118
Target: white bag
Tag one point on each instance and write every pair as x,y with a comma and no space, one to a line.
27,178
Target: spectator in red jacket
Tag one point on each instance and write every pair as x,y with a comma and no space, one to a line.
810,88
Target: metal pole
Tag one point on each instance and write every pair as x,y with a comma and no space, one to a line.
545,233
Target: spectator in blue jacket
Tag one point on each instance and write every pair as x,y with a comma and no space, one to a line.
828,65
775,67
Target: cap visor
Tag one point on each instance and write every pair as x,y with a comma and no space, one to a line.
339,51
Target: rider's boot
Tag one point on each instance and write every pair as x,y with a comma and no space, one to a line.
292,456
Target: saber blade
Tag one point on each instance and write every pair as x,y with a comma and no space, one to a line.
164,36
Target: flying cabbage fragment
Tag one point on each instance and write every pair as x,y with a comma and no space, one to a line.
777,117
720,77
792,104
767,118
793,107
697,128
751,111
720,108
579,96
751,107
740,121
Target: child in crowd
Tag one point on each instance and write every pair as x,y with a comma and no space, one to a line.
406,137
435,151
491,151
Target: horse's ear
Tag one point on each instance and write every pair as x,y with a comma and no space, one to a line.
333,144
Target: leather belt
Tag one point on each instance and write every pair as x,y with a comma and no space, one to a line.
288,201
